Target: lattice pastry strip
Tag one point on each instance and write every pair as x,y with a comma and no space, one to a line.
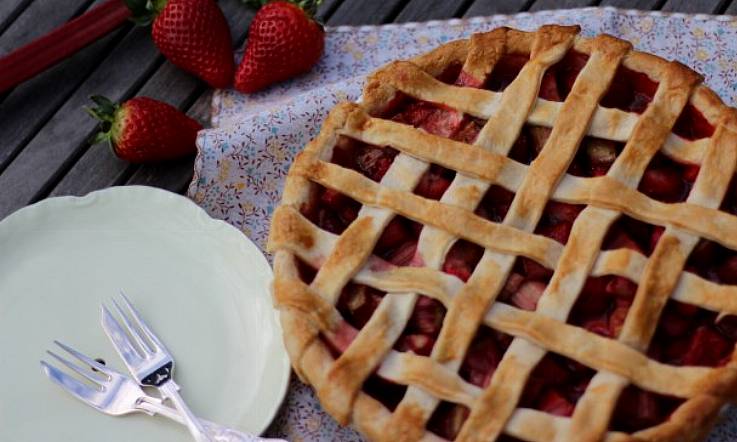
310,310
662,276
463,316
691,288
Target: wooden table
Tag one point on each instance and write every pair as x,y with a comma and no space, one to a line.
44,132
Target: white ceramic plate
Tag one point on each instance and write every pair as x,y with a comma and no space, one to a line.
200,283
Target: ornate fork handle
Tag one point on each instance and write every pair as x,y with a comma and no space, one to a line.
216,432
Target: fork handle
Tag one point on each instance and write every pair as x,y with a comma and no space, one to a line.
217,432
170,390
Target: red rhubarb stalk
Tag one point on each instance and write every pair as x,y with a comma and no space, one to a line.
62,42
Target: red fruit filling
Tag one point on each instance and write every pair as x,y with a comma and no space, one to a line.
371,161
629,233
638,409
423,327
398,242
558,80
357,303
505,71
525,284
713,262
495,204
729,203
434,182
555,385
630,91
692,125
594,157
306,273
529,143
484,355
689,335
667,180
329,209
448,419
557,220
602,305
462,258
386,392
451,74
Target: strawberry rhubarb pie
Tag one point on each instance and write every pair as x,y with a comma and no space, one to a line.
519,236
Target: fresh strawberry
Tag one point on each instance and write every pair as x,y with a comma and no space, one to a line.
192,34
144,130
283,41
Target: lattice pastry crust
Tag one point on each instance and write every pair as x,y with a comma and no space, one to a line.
308,311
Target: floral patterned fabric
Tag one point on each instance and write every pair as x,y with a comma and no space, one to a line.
242,161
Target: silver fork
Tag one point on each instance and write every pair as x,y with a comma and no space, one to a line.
116,394
150,363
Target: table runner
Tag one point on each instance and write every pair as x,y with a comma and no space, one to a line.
243,159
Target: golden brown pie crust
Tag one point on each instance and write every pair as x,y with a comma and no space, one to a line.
309,310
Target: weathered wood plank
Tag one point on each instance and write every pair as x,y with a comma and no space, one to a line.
173,175
694,6
327,8
420,10
38,19
27,107
632,4
98,168
9,11
361,12
540,5
63,138
486,7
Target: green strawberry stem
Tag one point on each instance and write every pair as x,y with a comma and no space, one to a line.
145,11
309,6
106,111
